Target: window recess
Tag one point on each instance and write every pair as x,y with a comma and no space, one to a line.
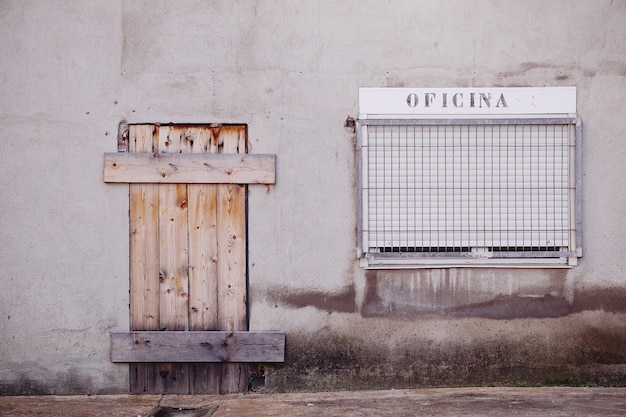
469,191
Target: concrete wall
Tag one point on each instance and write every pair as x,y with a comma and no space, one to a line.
70,71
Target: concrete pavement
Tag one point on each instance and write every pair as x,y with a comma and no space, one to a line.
558,401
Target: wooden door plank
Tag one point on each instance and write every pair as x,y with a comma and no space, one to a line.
231,238
189,169
231,234
196,292
231,257
174,243
173,271
202,247
144,250
174,259
197,346
203,377
144,255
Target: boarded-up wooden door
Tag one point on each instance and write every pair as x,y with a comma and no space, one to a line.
188,258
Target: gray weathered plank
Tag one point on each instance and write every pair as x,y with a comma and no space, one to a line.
197,346
183,168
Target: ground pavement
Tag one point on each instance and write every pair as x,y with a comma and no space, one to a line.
544,402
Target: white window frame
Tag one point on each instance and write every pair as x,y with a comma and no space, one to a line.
392,109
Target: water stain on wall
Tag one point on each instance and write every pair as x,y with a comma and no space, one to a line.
327,361
341,302
457,293
460,294
579,350
65,383
463,292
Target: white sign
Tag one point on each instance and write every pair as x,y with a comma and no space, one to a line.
468,101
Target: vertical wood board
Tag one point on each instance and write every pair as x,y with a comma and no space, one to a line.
231,237
174,242
203,377
144,270
232,241
174,259
202,244
144,255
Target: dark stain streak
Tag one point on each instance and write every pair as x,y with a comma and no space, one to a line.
503,308
326,360
383,299
443,303
527,66
564,73
189,412
611,300
607,300
343,302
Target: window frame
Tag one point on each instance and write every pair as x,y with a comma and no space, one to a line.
475,257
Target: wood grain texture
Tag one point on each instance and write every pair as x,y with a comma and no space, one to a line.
231,270
144,256
231,233
144,238
188,255
197,346
202,245
174,256
174,260
165,168
203,377
173,242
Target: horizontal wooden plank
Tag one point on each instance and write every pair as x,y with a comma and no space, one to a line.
197,346
176,168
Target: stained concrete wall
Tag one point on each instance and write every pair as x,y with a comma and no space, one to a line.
291,71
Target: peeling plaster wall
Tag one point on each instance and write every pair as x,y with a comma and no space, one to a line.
291,71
